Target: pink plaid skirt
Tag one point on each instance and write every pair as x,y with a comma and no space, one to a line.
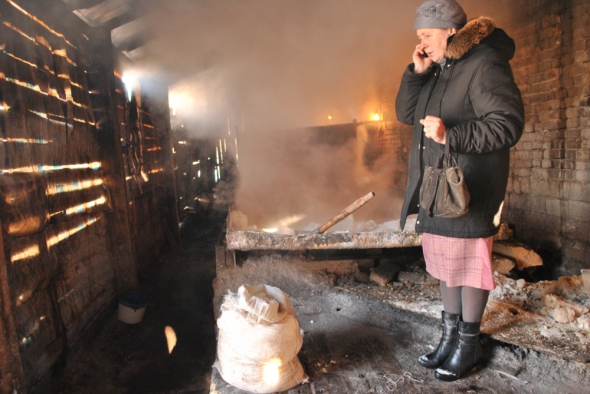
459,261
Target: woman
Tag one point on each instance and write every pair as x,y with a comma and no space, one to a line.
460,91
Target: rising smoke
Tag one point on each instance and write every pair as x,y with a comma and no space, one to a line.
254,67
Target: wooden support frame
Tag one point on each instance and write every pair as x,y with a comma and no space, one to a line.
224,257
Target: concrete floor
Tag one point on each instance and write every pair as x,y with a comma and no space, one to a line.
351,344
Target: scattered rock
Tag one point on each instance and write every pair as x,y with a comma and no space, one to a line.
563,314
365,264
584,323
417,278
384,274
361,276
553,301
416,266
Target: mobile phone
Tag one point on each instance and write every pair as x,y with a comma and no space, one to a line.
423,55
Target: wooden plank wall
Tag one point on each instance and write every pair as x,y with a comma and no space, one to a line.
146,152
83,194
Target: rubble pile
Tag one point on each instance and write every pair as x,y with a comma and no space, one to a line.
564,300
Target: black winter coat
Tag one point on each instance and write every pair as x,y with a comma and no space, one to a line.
475,95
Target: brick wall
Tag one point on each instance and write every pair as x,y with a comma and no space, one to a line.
392,140
548,202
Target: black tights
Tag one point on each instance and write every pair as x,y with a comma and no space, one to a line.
469,302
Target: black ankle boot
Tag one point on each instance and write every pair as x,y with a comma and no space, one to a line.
465,355
438,357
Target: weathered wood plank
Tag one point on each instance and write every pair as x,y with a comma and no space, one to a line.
31,267
37,328
254,240
12,378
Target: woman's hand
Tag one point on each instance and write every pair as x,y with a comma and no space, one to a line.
434,128
421,61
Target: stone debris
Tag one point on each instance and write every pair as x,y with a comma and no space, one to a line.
361,276
515,313
366,264
416,278
561,310
563,314
384,273
584,323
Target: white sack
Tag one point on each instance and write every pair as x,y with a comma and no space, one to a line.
259,338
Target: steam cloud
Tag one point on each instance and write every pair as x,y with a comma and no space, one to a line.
268,65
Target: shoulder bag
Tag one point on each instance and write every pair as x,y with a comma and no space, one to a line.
443,192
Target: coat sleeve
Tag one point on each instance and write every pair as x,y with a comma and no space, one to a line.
498,105
409,92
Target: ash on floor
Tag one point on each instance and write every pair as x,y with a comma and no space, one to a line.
364,346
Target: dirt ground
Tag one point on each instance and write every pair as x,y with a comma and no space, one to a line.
134,358
352,343
356,342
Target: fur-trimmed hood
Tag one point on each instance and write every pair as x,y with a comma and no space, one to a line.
480,31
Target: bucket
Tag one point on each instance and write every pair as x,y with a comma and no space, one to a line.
132,307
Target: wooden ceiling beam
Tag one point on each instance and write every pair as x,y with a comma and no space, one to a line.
82,4
120,20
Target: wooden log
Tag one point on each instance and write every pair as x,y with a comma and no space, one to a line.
344,213
524,256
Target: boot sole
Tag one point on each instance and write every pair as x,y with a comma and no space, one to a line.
452,378
432,366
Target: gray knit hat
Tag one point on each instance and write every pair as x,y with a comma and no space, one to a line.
440,14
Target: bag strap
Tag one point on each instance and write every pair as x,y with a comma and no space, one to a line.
450,159
435,173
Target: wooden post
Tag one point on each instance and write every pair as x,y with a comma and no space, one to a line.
161,119
120,234
12,377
